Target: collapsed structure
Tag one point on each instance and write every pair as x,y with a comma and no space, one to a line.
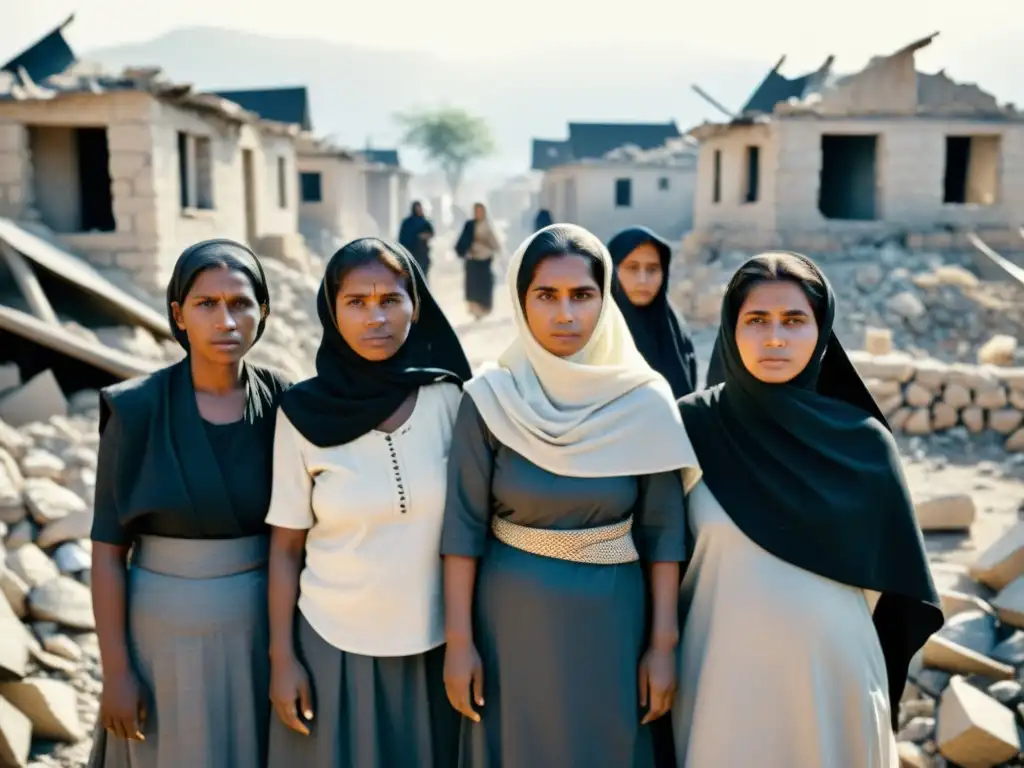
824,161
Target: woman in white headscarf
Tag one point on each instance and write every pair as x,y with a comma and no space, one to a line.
563,488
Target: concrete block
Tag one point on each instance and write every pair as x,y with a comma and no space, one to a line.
946,513
1003,561
975,730
944,654
38,400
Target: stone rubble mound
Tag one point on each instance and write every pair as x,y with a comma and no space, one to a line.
931,303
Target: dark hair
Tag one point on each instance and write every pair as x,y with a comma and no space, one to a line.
219,253
555,242
778,266
369,250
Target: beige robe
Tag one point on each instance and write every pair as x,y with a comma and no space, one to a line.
778,667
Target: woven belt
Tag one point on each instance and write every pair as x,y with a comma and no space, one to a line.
604,545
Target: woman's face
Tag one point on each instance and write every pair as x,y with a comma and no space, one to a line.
562,304
776,332
374,311
479,212
641,274
220,315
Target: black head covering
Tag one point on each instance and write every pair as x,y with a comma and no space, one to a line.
809,471
658,329
215,253
165,462
351,395
542,220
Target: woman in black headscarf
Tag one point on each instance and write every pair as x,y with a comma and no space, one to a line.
415,236
183,480
804,539
640,288
358,499
478,246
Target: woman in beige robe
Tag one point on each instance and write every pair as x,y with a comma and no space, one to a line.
478,246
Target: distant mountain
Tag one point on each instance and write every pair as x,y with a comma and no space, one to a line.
355,92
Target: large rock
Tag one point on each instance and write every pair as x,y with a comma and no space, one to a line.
14,648
12,507
17,444
32,565
50,705
948,656
37,400
15,736
64,601
975,730
1003,561
955,512
47,501
77,525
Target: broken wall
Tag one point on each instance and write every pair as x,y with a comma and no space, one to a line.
133,242
733,210
910,164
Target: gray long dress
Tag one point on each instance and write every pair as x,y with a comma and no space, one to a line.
560,641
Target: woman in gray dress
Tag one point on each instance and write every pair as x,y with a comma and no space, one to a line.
183,484
563,484
803,533
357,505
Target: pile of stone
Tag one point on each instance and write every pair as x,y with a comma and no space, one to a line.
931,303
964,703
922,396
49,675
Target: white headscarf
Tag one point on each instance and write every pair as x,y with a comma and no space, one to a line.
604,412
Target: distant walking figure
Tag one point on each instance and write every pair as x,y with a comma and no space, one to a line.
415,235
543,220
477,246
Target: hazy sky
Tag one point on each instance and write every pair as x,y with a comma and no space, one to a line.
807,30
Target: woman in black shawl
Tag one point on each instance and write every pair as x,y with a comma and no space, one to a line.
357,505
183,481
640,288
543,219
415,236
808,591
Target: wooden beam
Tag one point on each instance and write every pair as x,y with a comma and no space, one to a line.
28,284
711,100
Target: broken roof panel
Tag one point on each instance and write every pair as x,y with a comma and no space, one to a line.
282,105
777,89
72,269
48,56
595,140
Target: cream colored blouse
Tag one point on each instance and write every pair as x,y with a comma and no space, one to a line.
373,508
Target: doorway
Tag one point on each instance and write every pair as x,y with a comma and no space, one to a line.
848,177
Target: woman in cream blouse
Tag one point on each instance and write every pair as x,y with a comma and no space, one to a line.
356,509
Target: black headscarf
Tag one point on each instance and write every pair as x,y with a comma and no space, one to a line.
543,219
215,253
351,395
809,471
658,329
165,461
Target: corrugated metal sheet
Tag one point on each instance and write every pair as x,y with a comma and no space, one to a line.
48,56
282,105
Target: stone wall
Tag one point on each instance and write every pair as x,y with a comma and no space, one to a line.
933,303
924,396
15,170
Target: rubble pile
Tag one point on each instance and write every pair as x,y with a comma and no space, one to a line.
931,303
49,665
964,702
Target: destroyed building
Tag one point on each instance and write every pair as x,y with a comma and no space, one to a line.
607,176
823,161
332,195
387,189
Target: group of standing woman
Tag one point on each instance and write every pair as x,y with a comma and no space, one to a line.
572,558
